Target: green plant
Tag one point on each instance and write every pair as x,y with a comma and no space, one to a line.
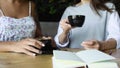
53,9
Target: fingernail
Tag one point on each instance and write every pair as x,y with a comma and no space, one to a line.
83,42
34,54
43,45
40,52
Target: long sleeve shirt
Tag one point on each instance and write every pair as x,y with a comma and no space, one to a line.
95,27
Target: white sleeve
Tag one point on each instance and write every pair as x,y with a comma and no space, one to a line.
60,30
113,27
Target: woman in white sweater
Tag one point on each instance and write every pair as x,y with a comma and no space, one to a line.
101,28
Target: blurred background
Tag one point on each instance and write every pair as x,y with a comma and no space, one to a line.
52,10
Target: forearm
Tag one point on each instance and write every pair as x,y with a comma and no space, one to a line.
63,38
107,45
6,46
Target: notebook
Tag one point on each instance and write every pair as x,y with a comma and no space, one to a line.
92,58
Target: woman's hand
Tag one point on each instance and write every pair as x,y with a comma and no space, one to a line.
92,44
101,45
63,37
65,25
27,46
49,38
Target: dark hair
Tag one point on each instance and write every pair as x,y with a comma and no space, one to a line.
100,5
96,5
75,2
117,5
37,8
37,16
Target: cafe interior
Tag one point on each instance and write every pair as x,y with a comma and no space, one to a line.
49,22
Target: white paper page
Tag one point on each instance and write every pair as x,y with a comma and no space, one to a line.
66,63
90,56
106,64
65,55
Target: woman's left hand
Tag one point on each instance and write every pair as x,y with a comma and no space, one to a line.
91,44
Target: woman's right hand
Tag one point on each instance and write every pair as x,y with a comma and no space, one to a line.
28,46
65,25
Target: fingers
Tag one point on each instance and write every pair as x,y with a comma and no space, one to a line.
65,23
86,45
46,38
35,43
30,48
28,52
90,44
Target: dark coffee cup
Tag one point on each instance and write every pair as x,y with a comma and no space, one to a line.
76,20
48,48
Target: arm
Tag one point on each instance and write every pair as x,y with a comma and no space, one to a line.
107,45
113,28
113,36
61,38
100,45
27,46
6,46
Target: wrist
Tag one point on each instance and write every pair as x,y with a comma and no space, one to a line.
65,32
101,45
107,45
6,46
11,46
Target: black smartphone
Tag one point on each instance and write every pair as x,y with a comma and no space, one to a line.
48,48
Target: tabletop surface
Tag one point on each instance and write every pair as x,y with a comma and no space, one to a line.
14,60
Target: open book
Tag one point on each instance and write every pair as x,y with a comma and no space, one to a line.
91,58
